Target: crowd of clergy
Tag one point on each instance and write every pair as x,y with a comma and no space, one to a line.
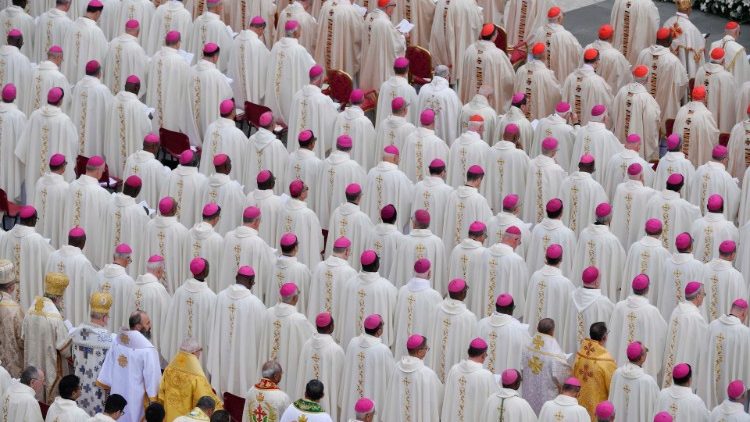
564,236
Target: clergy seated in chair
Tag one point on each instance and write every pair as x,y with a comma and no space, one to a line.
266,398
18,401
203,410
184,383
308,408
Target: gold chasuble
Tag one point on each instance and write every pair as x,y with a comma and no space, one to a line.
182,384
594,366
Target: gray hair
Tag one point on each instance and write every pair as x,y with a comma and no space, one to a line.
604,220
121,255
270,368
206,403
154,266
29,374
62,2
190,345
442,71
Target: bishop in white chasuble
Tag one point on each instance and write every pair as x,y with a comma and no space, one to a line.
51,26
419,147
538,82
44,78
169,75
503,271
466,261
353,122
586,306
184,184
697,127
646,256
288,68
543,181
19,402
244,246
507,167
165,236
114,279
349,221
71,261
562,47
549,293
84,41
469,206
12,122
264,151
468,384
311,109
207,88
127,123
507,403
635,111
551,231
151,171
150,296
617,168
126,222
395,86
635,24
223,137
680,399
248,64
686,322
581,194
723,282
629,203
415,306
208,27
438,96
335,174
506,336
297,218
90,102
632,391
169,16
203,240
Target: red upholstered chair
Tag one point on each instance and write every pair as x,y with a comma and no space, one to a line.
252,115
340,86
723,139
669,125
44,408
235,405
691,85
81,165
420,65
172,145
501,41
9,209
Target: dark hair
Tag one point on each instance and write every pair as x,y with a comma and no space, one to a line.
206,403
289,248
353,197
155,413
598,331
474,352
93,9
215,53
546,326
372,267
555,214
314,390
221,416
218,213
268,184
553,261
508,310
686,378
470,177
675,187
135,319
68,385
28,374
115,403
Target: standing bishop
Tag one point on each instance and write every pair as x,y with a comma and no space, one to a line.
646,256
558,125
351,222
208,87
415,306
384,237
224,137
238,321
724,283
686,322
127,122
133,358
114,279
586,306
681,268
420,147
382,43
50,29
248,55
419,243
636,111
244,246
678,213
296,217
506,335
125,57
433,193
538,82
731,408
438,96
263,151
209,28
635,319
635,24
143,163
613,65
469,206
11,350
328,279
168,17
395,86
508,167
288,67
287,267
203,240
549,293
467,150
150,296
596,139
633,392
582,194
44,78
303,164
485,64
736,62
353,122
165,236
227,193
386,184
468,384
29,252
583,88
454,28
70,261
335,174
562,47
506,403
712,229
674,161
565,404
414,390
84,41
629,205
13,123
311,109
712,178
617,168
465,263
679,398
543,181
696,125
184,185
551,230
503,270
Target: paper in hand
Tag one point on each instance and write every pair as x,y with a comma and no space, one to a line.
404,26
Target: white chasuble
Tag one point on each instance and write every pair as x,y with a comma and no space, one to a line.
381,44
540,85
719,85
713,178
115,280
635,23
501,222
264,151
453,328
86,206
419,243
297,218
444,101
735,59
353,122
466,262
563,52
633,393
709,231
19,403
29,252
507,167
583,89
613,66
467,387
418,149
50,30
563,406
12,124
248,67
384,239
15,66
184,185
506,338
90,102
209,28
169,77
595,139
169,16
634,110
203,241
127,122
686,322
729,411
328,279
311,109
368,366
479,105
239,319
581,194
229,195
43,78
270,206
543,181
454,28
549,232
82,277
152,173
517,117
288,68
47,343
224,137
503,271
89,348
323,359
349,221
395,130
482,63
374,294
190,315
64,410
243,246
689,44
386,184
133,358
507,405
307,23
548,296
629,204
683,403
165,236
84,41
465,151
125,222
676,214
49,131
335,174
635,319
667,81
586,306
726,360
522,18
431,195
282,338
723,284
140,10
598,247
545,367
646,256
339,41
392,87
415,308
287,268
675,162
150,296
414,392
678,271
617,170
739,145
698,130
468,205
207,88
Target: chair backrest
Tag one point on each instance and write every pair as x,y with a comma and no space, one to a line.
4,202
81,165
420,62
724,139
44,407
253,112
669,125
340,86
173,143
235,405
501,41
